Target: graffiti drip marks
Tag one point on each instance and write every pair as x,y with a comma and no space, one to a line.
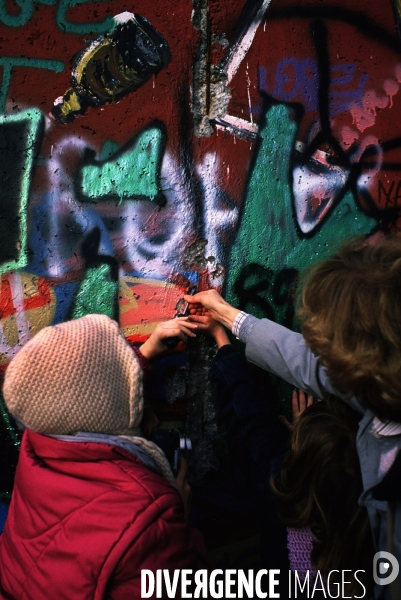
113,65
130,173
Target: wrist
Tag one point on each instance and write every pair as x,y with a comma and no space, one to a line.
227,314
147,350
221,337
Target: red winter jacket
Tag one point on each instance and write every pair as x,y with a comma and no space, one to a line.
85,518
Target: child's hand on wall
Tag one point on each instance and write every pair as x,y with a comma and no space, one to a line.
206,324
155,346
300,402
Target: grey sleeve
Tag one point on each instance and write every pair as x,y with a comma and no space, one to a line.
284,353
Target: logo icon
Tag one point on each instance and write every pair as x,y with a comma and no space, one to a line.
385,568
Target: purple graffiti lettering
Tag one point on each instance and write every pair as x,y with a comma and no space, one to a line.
341,100
348,72
300,78
287,79
308,83
295,77
262,79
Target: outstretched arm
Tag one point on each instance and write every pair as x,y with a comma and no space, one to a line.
207,325
272,347
217,307
269,345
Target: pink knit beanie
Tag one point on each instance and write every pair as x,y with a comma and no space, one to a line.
80,375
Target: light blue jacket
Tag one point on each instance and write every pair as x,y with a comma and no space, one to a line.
284,353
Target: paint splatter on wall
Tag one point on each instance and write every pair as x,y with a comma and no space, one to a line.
146,148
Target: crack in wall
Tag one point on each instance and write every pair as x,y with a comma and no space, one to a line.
210,93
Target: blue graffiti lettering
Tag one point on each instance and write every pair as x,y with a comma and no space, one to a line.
298,80
294,77
287,79
262,79
341,100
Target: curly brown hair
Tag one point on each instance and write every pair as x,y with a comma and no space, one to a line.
350,311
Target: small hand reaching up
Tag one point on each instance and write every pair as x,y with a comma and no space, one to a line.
214,305
300,402
206,324
155,346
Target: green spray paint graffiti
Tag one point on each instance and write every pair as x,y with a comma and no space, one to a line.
98,290
269,250
67,26
27,8
202,180
9,63
19,136
132,172
97,294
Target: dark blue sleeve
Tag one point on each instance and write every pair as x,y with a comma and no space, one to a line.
253,428
257,442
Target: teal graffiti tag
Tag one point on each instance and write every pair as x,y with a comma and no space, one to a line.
27,8
98,290
19,137
80,28
8,63
268,235
129,173
268,252
25,13
97,293
108,149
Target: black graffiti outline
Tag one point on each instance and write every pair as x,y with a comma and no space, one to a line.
343,158
278,284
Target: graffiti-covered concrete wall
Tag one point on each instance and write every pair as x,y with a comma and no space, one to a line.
147,147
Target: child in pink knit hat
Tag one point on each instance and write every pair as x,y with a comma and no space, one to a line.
94,501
